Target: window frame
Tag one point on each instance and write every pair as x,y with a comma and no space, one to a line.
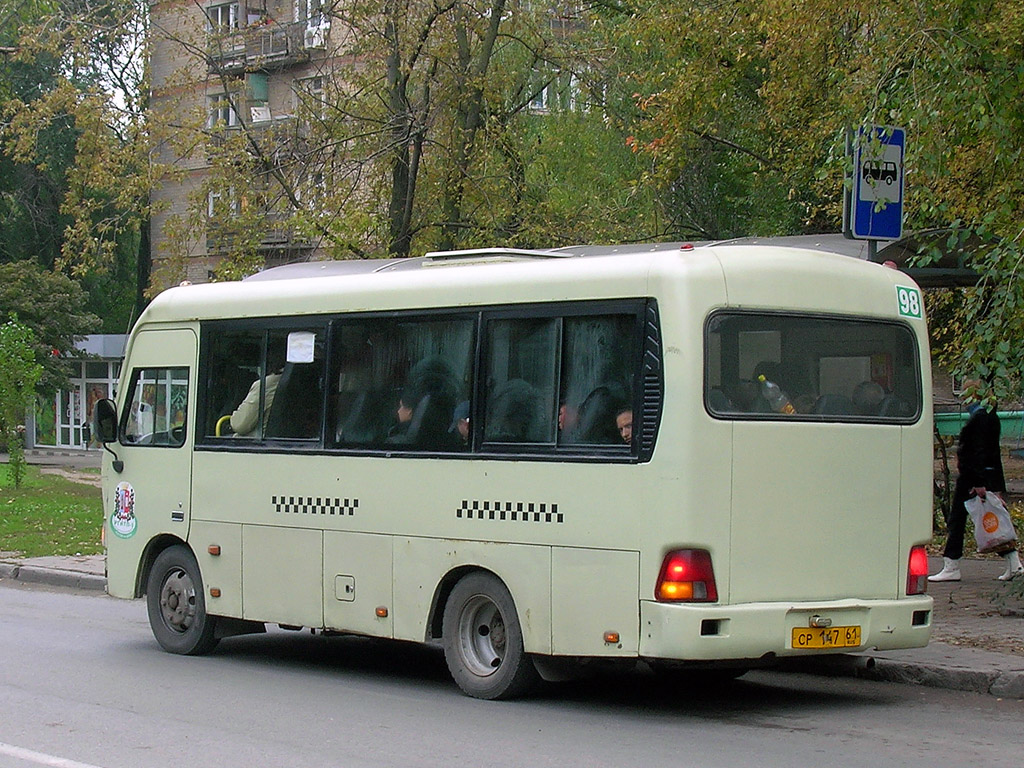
234,20
133,383
208,328
646,349
590,308
812,418
471,314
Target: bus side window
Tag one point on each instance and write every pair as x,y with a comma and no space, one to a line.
398,383
233,387
521,384
598,364
156,413
293,386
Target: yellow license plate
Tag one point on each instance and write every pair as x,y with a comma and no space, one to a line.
826,637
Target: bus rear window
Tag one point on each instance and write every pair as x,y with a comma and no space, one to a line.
812,368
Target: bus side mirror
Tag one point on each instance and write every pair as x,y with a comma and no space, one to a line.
104,421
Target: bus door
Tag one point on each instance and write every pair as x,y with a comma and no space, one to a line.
153,490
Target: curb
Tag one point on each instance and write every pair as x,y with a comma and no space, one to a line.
32,574
1007,684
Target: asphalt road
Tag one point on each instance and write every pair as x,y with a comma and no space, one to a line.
84,685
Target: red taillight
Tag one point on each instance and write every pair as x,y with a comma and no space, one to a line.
917,571
687,576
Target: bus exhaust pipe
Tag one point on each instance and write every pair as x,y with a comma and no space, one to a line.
844,665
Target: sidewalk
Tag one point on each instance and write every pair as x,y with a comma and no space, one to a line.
977,644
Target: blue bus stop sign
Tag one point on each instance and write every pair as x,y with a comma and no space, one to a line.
876,205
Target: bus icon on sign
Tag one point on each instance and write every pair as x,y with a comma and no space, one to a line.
879,170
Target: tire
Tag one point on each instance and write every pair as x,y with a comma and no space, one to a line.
177,606
483,642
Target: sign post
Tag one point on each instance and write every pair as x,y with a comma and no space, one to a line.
874,202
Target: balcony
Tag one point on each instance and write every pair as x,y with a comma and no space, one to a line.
278,235
281,139
259,47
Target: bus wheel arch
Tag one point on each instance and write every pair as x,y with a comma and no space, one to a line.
483,639
154,547
435,622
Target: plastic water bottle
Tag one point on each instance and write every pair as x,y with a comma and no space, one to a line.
777,399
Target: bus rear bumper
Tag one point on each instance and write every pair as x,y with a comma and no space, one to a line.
760,630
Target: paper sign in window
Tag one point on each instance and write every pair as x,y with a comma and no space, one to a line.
301,346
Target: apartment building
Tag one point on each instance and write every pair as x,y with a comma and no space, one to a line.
229,79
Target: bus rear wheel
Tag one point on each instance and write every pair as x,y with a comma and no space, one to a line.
483,642
176,606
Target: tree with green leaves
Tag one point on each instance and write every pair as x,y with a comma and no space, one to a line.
50,305
74,147
454,123
19,373
769,90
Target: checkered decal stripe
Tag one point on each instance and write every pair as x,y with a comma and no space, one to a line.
516,511
314,505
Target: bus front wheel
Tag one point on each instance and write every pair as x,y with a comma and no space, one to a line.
177,608
483,642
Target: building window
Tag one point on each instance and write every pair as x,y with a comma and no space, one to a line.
315,16
222,203
221,112
223,19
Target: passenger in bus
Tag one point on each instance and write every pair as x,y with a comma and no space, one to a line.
425,408
246,417
867,398
513,415
624,423
460,421
747,398
597,424
804,403
568,415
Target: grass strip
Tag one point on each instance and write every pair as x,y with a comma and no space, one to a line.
49,515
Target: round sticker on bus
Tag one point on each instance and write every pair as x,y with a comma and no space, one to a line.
122,521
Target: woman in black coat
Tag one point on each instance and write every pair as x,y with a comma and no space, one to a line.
980,468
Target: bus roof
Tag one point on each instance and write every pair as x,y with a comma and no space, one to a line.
833,244
496,276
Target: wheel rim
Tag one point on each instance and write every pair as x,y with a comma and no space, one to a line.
178,601
482,636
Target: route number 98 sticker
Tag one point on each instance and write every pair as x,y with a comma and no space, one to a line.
908,301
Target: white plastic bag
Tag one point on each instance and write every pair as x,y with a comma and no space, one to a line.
993,528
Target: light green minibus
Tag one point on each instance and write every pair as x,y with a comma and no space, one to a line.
703,458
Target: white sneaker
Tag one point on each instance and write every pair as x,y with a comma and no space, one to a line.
1013,567
1010,573
950,571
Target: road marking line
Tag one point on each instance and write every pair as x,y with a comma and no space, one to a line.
40,758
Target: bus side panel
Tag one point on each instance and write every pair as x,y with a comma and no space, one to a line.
357,580
421,564
594,591
282,569
223,570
